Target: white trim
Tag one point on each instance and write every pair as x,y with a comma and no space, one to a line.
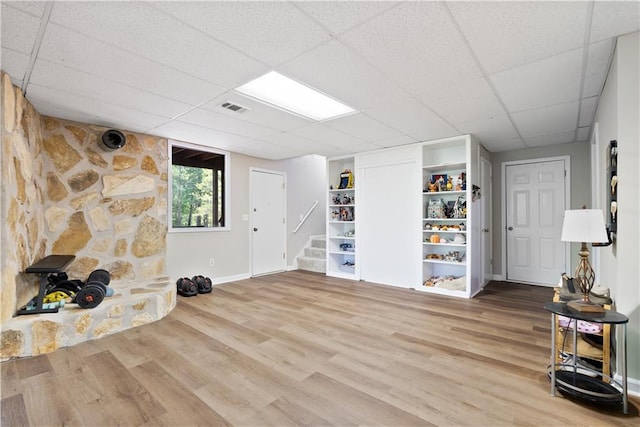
633,384
227,187
226,279
567,203
498,277
284,181
595,185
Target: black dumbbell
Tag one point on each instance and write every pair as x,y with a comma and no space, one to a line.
91,294
186,287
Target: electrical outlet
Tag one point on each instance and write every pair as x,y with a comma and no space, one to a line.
212,262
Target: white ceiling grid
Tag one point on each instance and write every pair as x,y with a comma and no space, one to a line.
514,74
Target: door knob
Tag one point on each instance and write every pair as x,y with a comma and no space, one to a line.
485,230
255,229
510,228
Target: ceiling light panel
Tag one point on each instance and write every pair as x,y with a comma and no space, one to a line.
283,92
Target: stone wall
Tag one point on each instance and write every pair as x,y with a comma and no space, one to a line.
63,192
22,198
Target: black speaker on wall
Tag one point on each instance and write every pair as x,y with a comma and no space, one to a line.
113,139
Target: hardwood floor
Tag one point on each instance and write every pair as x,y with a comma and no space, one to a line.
299,348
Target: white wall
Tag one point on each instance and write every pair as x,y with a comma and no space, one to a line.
618,117
306,183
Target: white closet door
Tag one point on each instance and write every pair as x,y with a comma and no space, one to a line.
389,224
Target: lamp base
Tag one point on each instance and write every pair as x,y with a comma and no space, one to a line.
585,307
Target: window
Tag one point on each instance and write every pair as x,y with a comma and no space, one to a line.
198,187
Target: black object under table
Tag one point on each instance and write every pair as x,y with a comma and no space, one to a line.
576,384
44,267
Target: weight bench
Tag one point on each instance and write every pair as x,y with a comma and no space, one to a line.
44,267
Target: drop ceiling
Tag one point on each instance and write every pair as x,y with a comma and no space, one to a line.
514,74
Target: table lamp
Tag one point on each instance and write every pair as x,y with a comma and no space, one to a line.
584,226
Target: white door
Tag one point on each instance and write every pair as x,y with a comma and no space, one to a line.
268,222
485,220
535,207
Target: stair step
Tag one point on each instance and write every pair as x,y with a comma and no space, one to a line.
319,242
312,264
318,253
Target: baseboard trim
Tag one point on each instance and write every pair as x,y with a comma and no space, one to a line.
633,385
498,277
227,279
291,268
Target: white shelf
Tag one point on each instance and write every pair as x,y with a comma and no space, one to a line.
460,245
342,222
436,193
435,261
444,219
444,231
342,206
443,166
337,190
342,253
342,238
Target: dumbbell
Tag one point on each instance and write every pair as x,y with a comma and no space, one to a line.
186,287
202,283
102,276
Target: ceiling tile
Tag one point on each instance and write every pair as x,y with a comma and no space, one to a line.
587,111
337,71
405,43
487,130
19,30
261,149
469,100
611,18
548,81
508,144
508,34
51,75
550,139
35,8
272,32
363,127
15,64
548,120
600,55
257,113
583,134
68,48
225,123
141,29
188,132
64,105
299,143
319,132
413,118
339,16
396,141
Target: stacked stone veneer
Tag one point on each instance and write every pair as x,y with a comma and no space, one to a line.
62,192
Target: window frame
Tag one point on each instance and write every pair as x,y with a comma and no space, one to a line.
227,187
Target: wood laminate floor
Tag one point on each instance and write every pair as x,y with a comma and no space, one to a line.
299,348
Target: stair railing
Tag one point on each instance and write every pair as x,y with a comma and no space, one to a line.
304,218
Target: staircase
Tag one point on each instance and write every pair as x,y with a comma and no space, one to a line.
314,255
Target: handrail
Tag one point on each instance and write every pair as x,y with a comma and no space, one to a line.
304,218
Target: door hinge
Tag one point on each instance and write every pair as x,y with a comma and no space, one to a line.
283,220
565,173
283,255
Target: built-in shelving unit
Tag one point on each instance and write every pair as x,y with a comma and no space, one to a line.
446,204
341,219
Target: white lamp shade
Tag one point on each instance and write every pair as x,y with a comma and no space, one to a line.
584,225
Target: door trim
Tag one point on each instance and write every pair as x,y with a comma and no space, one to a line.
503,183
488,200
250,234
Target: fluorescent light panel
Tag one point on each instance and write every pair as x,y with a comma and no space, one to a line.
282,92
